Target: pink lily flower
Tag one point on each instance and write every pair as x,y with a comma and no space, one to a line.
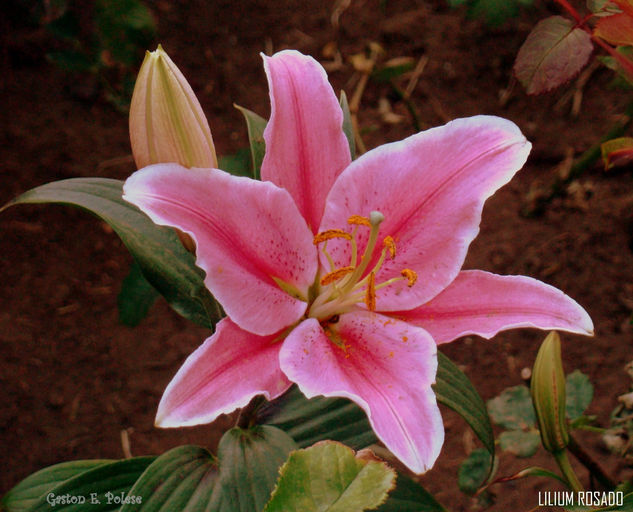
344,276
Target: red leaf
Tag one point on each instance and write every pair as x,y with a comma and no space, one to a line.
616,29
625,5
553,53
616,152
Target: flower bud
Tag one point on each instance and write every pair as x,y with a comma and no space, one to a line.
548,394
167,123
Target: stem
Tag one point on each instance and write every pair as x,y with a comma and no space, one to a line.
565,4
586,460
567,471
247,414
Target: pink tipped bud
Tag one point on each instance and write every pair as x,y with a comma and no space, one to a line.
167,123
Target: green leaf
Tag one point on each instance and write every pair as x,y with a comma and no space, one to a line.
136,297
553,53
348,127
102,487
29,491
409,496
240,479
627,505
249,467
579,394
309,421
256,126
163,260
238,164
513,409
474,471
184,476
328,477
519,442
454,389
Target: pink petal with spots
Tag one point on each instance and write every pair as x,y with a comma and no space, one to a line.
386,367
481,303
305,146
431,188
247,232
224,373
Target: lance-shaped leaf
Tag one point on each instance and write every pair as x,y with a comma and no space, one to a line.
101,485
554,52
255,125
136,297
329,477
409,496
240,479
29,491
309,421
163,260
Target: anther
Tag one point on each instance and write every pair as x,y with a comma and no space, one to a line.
389,243
329,234
359,220
335,275
411,276
370,293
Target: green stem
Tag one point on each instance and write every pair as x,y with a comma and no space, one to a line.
594,468
568,472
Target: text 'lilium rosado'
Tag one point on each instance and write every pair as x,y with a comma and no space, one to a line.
344,276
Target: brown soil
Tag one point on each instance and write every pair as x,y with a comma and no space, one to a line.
73,378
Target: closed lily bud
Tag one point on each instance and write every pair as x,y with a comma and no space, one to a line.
548,394
167,123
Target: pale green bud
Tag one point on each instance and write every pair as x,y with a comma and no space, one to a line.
167,123
548,394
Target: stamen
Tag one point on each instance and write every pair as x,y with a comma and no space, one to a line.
359,220
375,218
329,234
411,276
370,294
335,275
389,243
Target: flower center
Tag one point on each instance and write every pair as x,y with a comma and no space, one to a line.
342,288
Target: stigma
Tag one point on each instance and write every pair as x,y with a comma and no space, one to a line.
354,286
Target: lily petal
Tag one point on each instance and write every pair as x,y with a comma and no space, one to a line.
482,303
386,366
224,373
306,148
431,188
249,237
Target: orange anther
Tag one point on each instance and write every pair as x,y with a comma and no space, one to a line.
370,294
411,276
359,221
389,243
335,275
329,234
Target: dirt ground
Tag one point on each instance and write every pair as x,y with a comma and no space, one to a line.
73,379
